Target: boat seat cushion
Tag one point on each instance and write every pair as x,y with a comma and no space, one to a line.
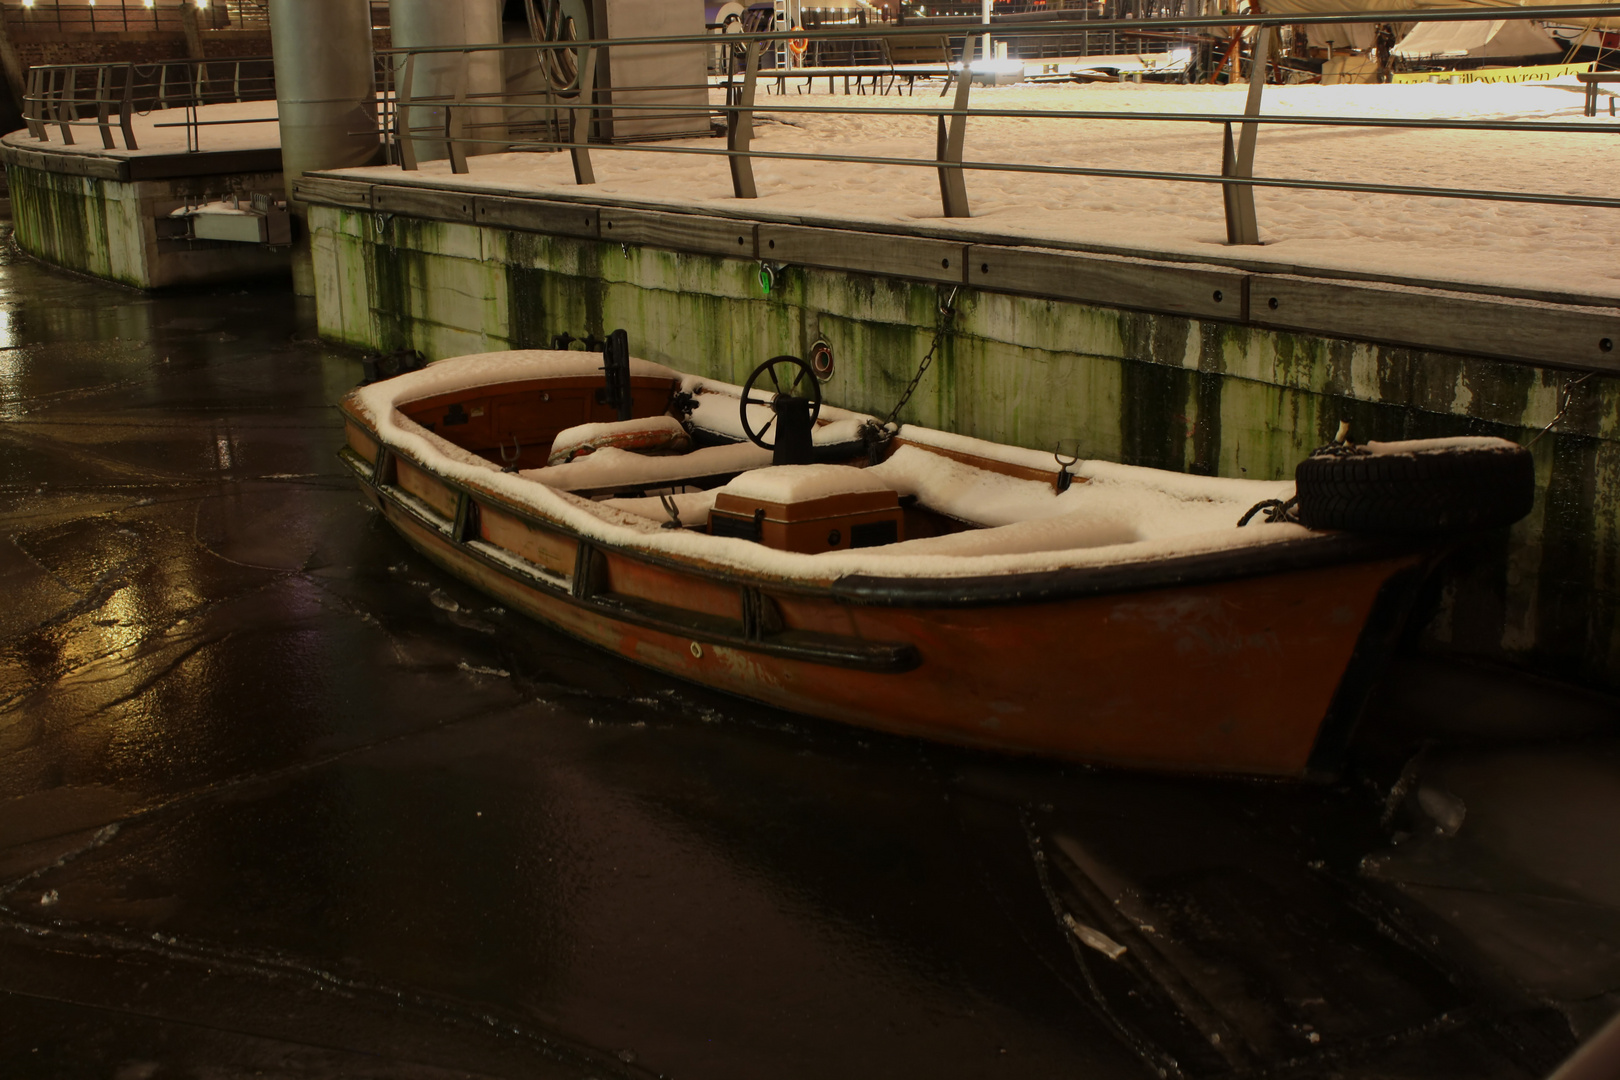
693,507
649,435
613,469
787,485
808,508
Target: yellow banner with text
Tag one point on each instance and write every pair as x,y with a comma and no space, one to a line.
1493,75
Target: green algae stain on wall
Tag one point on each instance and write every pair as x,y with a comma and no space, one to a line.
63,220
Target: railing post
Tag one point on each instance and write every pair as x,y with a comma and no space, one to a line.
1242,226
32,111
103,109
740,129
126,108
551,126
66,111
402,116
952,137
455,119
579,120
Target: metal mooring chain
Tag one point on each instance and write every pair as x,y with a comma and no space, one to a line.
947,311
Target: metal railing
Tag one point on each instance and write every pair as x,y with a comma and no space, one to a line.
122,16
1119,21
68,96
1039,34
570,114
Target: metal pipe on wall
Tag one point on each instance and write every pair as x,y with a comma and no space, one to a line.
325,98
420,24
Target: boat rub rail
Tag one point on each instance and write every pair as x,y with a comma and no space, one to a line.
759,626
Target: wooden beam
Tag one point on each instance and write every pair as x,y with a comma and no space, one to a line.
680,232
1564,335
871,253
429,203
1144,284
533,215
325,191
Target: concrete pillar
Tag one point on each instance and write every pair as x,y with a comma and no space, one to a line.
10,65
325,96
420,24
188,24
662,75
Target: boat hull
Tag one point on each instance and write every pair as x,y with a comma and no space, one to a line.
1259,672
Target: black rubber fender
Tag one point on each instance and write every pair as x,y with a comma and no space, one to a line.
1430,488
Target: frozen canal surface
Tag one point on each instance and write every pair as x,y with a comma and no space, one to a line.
278,798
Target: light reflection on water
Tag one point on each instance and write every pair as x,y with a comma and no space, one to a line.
11,365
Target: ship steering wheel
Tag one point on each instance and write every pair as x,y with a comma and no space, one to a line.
775,375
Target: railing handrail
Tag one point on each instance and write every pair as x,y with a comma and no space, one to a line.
1571,12
565,113
55,98
166,61
53,94
487,101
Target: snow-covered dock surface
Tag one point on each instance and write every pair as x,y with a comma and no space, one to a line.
1501,246
229,125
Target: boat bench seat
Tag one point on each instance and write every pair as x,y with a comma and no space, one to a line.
649,435
649,462
612,469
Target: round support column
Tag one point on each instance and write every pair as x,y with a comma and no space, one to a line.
422,24
325,97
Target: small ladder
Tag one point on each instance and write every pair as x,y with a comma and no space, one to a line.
782,21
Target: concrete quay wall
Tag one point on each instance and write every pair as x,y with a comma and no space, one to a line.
107,226
1171,380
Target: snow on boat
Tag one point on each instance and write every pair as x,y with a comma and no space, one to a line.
907,580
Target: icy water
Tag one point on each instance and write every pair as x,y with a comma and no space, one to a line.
279,798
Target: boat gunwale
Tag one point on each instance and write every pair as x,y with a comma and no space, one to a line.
985,590
806,646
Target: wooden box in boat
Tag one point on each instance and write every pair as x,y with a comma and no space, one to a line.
1221,650
850,519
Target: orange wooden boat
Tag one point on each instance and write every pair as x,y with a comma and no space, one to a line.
906,580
